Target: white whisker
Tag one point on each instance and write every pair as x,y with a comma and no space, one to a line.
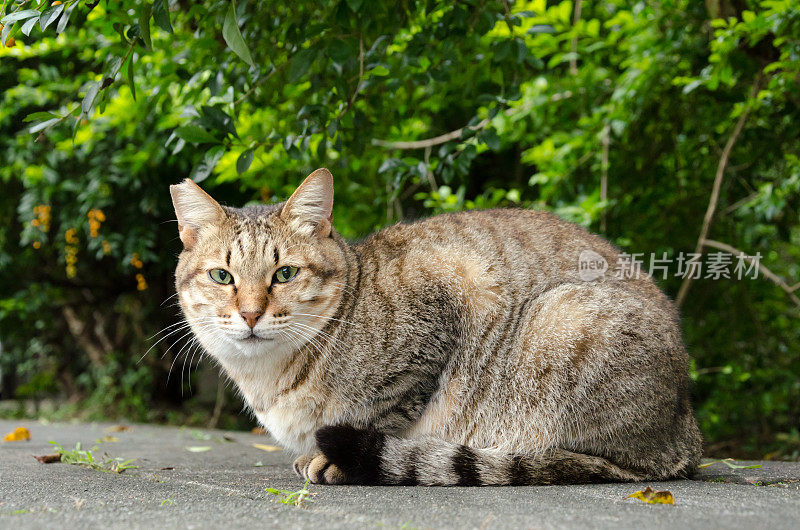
327,318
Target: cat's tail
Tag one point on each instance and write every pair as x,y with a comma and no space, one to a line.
371,457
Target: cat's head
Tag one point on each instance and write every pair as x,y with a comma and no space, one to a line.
259,280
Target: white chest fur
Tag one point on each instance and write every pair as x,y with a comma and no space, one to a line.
293,425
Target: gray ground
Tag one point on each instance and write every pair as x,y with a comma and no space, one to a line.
223,487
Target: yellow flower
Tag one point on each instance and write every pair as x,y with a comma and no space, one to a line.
70,236
42,220
37,245
141,284
136,261
106,247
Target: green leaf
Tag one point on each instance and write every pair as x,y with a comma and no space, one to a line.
161,15
88,100
491,139
195,134
301,62
62,22
203,170
19,15
130,77
541,28
333,126
216,118
338,50
232,35
28,25
50,15
355,5
244,161
380,70
389,164
133,32
145,12
40,116
4,34
43,125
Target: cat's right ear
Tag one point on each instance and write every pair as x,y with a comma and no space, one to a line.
194,209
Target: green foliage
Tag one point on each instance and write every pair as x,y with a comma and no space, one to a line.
293,498
616,120
85,457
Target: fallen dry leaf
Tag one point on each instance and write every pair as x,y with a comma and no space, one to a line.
19,434
107,438
270,448
48,459
198,448
651,496
258,430
167,468
118,428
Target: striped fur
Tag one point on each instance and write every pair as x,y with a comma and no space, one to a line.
368,456
460,349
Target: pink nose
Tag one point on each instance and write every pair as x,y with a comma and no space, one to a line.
251,317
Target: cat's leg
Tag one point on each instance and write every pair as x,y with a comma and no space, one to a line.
318,469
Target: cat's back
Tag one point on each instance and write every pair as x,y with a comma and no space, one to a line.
512,253
515,243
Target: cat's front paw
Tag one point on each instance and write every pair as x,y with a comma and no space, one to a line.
318,469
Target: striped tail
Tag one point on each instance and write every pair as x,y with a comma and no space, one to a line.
371,457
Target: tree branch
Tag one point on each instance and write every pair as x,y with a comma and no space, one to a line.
453,135
77,329
573,62
430,142
712,202
360,81
777,280
606,141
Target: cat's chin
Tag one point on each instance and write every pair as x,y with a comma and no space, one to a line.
254,346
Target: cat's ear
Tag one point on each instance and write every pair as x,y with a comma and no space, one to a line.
310,207
194,209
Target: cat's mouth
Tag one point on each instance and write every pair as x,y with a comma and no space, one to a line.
253,338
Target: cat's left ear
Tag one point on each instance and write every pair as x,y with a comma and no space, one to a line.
194,209
310,207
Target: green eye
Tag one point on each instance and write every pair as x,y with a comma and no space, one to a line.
221,276
284,274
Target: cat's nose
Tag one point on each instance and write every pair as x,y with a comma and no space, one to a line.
251,317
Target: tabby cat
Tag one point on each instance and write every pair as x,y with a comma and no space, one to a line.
463,349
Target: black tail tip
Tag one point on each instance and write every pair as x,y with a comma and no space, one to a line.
356,452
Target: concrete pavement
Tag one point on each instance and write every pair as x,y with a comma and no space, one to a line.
223,486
